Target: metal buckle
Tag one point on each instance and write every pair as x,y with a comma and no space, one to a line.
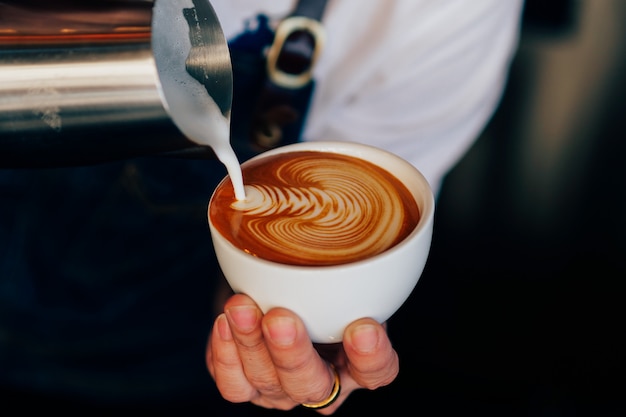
284,30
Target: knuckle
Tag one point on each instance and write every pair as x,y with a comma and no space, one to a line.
376,375
235,394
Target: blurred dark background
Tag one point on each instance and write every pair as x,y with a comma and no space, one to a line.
520,311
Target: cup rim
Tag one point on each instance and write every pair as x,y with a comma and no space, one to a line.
427,209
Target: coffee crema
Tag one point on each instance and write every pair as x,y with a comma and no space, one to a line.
314,208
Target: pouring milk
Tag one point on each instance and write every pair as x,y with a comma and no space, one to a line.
186,99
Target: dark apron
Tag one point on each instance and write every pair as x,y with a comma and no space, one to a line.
107,272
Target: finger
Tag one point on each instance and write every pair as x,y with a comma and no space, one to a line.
244,318
372,361
304,375
225,366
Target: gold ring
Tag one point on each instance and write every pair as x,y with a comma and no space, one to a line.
333,395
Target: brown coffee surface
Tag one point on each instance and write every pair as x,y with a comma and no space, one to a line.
314,208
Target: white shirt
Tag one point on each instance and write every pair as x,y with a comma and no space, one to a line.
420,78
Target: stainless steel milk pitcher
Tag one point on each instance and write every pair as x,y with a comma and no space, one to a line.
84,82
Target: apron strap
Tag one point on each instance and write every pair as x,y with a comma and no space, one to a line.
279,115
313,9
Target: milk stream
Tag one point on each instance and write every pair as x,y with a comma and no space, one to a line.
186,100
219,140
212,129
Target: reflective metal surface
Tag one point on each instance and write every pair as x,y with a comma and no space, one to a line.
79,82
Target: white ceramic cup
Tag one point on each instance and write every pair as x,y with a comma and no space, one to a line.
328,298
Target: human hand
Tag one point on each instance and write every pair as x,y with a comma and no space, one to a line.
270,361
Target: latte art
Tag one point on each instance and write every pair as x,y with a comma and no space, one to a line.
312,208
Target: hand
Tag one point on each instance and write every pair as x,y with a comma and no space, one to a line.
270,361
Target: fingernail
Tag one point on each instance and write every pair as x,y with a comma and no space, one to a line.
223,329
281,330
365,338
244,317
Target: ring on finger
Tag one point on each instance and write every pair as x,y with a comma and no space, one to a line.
333,395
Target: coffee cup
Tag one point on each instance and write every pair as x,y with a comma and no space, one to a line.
334,231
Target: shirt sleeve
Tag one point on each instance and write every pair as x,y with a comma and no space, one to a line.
418,78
